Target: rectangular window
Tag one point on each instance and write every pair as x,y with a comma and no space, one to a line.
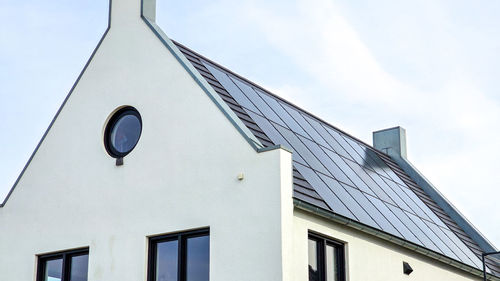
180,257
64,266
326,259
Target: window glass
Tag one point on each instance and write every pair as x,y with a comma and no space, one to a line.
166,258
123,132
53,270
313,261
79,268
126,133
68,266
180,257
331,263
197,265
326,259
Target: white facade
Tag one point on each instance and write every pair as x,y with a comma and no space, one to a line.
182,175
368,257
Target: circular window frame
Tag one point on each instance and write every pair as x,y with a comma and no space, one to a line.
110,125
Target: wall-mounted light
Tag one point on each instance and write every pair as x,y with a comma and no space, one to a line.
407,268
240,176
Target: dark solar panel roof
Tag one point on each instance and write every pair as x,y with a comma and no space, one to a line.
339,173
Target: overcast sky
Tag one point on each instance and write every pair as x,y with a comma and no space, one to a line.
432,67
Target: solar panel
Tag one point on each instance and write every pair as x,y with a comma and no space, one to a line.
258,101
379,218
349,172
275,136
234,91
369,181
351,203
430,214
404,217
323,158
330,198
290,122
430,233
405,232
350,177
332,143
302,150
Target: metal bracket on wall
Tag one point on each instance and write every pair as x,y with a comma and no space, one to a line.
119,161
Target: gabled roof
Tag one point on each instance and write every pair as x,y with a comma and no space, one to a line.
339,173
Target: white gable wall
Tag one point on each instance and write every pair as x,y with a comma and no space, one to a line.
181,175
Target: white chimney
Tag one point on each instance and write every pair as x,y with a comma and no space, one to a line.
125,11
391,141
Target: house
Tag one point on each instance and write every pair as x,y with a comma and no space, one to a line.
163,165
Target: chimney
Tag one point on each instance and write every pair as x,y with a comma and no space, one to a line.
125,11
391,141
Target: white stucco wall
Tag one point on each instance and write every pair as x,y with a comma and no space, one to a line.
181,175
367,257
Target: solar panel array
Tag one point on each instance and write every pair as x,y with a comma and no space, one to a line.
348,175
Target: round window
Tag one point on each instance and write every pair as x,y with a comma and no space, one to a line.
123,132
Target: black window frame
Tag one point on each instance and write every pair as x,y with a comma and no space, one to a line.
181,238
66,262
339,247
128,110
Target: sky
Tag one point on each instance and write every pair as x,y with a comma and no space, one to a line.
430,66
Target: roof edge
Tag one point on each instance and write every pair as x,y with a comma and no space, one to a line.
230,115
444,203
307,207
60,108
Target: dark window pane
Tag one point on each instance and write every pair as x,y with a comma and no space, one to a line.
125,133
313,260
166,261
331,263
198,255
79,268
53,270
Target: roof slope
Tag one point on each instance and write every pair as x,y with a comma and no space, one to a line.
339,173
